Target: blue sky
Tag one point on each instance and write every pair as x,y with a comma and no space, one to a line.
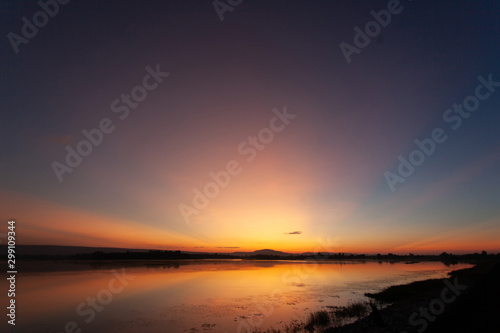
322,175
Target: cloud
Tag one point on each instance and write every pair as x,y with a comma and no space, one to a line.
228,247
293,233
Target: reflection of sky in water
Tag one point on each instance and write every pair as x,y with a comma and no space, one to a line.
205,296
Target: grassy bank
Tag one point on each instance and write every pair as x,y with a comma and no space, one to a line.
319,321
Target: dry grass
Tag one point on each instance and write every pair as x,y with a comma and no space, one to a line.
320,320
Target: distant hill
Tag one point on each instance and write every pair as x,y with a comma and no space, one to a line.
268,252
265,252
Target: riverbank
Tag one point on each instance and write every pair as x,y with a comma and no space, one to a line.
466,302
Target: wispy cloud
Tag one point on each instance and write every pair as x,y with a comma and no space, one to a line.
228,247
293,233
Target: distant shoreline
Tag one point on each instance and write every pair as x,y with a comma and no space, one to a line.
49,252
29,264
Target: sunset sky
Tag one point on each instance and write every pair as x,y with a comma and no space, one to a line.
320,178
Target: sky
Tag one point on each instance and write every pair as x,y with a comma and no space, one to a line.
325,132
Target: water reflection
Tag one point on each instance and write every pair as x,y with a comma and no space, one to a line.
197,295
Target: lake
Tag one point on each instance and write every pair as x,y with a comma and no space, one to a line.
197,295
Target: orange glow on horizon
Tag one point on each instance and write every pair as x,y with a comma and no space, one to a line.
270,228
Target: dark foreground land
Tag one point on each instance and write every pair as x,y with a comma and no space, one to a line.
433,306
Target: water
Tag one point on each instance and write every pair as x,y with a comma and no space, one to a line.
198,296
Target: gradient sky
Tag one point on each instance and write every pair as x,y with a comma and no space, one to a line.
322,176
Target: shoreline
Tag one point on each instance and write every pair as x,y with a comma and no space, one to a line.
429,305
